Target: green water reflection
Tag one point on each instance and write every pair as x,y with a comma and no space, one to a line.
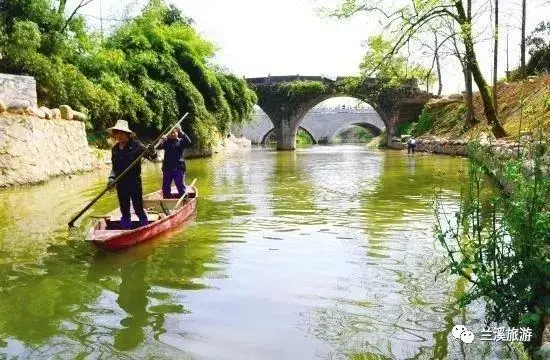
326,252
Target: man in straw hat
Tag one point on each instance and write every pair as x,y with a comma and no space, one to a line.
125,152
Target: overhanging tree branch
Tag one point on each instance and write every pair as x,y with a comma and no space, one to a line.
80,5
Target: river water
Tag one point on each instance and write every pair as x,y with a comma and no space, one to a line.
322,253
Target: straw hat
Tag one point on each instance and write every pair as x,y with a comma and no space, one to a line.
121,125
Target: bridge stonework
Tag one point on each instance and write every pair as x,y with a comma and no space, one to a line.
287,99
323,125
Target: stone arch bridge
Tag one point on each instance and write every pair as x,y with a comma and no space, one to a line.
323,125
287,99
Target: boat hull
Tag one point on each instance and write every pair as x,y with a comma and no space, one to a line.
128,238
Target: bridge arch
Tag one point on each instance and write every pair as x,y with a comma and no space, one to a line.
255,131
375,131
270,132
307,106
324,123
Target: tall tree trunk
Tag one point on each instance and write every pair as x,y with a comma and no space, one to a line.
523,17
507,58
488,107
61,8
438,67
470,117
428,75
495,62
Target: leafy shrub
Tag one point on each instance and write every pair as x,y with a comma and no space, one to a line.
424,124
406,128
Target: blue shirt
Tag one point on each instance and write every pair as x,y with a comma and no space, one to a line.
173,153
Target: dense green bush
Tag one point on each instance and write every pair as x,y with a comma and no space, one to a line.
150,70
406,128
303,137
295,94
424,124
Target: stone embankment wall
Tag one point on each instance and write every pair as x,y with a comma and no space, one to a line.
33,149
501,148
38,143
18,89
494,153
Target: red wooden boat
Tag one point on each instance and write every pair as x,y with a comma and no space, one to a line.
107,234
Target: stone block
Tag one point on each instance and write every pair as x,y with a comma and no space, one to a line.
78,116
66,112
18,88
36,112
544,351
56,114
456,97
18,107
3,107
47,112
441,102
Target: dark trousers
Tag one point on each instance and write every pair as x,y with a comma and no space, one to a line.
131,190
411,148
176,175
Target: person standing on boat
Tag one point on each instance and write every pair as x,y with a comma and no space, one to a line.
173,165
129,187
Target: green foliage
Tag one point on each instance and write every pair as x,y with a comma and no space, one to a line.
354,134
150,70
397,68
424,124
538,43
303,137
98,140
539,39
546,101
284,98
443,119
500,243
406,128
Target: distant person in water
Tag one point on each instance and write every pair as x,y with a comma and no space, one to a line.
411,145
173,166
129,187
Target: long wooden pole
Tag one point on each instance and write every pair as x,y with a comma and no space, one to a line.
110,186
184,194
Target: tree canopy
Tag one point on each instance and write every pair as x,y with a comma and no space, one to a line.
150,70
409,19
397,68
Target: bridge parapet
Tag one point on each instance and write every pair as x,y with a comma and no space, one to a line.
285,78
338,110
370,82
